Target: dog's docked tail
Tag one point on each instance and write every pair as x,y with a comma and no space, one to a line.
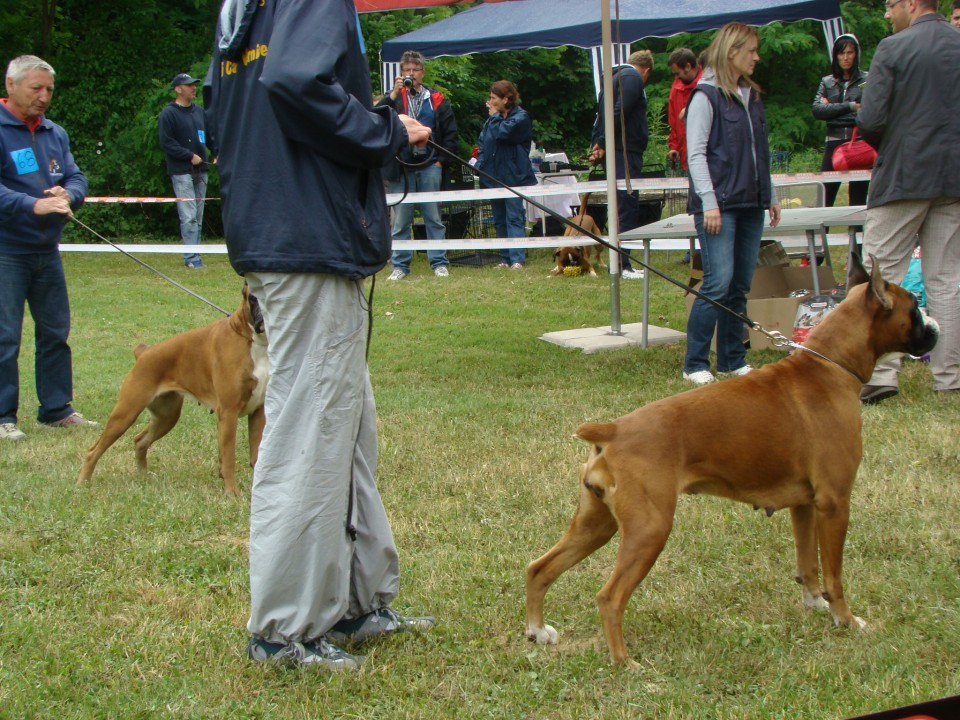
597,433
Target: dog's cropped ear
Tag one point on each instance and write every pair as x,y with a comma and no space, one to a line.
856,273
878,286
556,253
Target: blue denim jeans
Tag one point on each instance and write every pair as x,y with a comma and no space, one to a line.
191,185
729,259
510,221
36,280
426,180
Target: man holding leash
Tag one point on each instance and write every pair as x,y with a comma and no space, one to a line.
410,96
40,187
183,137
305,221
632,132
915,189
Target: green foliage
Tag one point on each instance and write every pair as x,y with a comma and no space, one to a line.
115,61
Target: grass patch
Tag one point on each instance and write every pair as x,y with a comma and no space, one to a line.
128,597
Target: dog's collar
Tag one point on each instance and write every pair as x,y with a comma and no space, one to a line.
779,340
798,346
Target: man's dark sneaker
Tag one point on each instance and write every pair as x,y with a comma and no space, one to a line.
317,653
872,394
384,621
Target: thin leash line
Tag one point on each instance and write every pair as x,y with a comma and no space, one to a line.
592,235
146,265
777,338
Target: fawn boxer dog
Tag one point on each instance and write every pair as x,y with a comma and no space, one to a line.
784,436
223,366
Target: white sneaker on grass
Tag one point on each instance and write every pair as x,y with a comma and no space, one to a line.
10,431
441,271
699,377
736,373
631,274
397,274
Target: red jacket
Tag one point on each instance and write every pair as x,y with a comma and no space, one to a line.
679,95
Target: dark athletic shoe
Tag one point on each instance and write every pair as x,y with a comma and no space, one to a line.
379,623
318,653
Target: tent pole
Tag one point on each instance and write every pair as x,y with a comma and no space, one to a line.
610,158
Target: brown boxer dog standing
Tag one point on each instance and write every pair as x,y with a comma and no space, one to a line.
223,366
784,436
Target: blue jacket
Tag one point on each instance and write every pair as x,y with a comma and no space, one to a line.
300,149
504,148
31,162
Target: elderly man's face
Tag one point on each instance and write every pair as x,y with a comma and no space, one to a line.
31,97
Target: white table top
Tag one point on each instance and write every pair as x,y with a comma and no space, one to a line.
792,221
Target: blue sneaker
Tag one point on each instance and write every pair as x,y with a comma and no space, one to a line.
379,623
194,264
318,653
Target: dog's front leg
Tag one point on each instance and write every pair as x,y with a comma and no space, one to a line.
808,568
255,422
832,519
227,442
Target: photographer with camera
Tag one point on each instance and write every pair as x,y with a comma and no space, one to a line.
410,96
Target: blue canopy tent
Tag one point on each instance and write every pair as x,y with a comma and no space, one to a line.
493,27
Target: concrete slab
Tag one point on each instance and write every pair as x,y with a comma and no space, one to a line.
591,340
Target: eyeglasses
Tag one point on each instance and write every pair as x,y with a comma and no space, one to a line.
892,5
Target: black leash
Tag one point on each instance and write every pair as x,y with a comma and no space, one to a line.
147,266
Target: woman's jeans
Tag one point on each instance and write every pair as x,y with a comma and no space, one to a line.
729,259
510,221
37,280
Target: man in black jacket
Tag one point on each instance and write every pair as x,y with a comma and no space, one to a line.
907,113
183,138
305,219
630,120
410,96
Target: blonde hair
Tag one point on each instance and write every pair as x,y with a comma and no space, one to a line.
641,58
729,39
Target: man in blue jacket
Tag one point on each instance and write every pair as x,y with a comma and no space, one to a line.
40,186
908,114
305,219
183,138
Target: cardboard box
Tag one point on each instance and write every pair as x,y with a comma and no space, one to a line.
769,302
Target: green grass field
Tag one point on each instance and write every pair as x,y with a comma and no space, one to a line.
127,598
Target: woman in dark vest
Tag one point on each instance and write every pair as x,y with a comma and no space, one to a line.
730,188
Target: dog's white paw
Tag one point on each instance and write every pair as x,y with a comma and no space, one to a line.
859,623
545,635
814,602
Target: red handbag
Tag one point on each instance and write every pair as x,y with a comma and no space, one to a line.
854,155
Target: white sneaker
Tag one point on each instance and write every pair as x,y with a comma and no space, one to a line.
441,271
397,274
736,373
631,274
9,431
699,377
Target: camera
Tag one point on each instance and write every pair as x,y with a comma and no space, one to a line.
408,81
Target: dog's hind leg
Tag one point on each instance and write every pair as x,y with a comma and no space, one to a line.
129,405
644,529
808,566
591,528
164,414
